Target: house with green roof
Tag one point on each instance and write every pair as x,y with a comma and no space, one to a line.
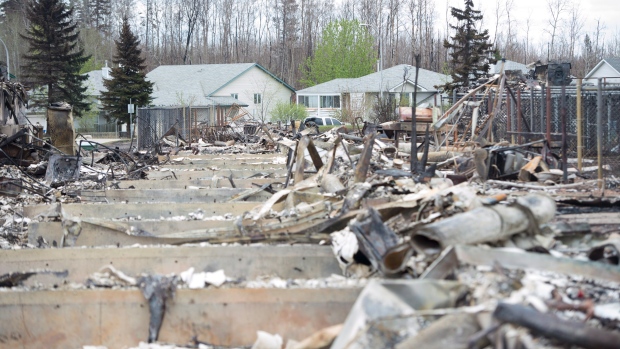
359,95
215,89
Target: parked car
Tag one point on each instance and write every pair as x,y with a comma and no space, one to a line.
322,121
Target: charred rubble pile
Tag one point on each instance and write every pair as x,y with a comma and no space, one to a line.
286,239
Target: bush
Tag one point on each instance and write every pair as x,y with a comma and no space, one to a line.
288,111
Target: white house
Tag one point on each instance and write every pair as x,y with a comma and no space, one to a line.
359,94
216,87
509,67
608,69
94,83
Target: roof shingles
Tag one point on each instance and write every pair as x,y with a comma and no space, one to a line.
375,82
177,84
614,62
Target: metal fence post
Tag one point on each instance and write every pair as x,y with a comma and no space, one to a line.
531,110
549,115
519,117
564,142
599,131
542,109
509,119
579,126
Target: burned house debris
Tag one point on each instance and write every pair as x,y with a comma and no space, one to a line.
494,224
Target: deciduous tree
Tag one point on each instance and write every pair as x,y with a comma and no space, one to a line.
345,50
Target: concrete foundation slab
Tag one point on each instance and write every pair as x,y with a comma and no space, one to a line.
169,195
249,262
217,182
102,233
118,318
145,211
228,165
191,175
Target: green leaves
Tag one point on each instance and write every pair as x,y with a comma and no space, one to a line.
344,51
284,111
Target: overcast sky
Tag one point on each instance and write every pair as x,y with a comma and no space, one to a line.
607,10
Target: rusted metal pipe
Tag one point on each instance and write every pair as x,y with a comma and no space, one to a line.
549,115
579,127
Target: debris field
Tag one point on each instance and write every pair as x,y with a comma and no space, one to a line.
306,239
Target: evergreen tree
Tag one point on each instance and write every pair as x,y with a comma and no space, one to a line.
54,59
128,80
10,8
93,14
468,48
101,15
345,51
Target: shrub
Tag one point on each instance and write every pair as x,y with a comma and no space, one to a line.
288,111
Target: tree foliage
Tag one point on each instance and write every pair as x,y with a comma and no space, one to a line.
54,59
288,111
468,47
345,50
128,80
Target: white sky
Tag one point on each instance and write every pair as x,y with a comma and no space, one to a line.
607,10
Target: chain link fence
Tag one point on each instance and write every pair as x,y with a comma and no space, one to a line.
541,116
154,122
191,123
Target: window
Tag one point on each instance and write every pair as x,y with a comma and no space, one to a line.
318,121
330,101
400,99
328,121
309,101
258,98
336,122
234,95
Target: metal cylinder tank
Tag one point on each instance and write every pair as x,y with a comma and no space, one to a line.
60,127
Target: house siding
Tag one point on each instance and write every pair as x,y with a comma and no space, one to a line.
255,80
604,71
